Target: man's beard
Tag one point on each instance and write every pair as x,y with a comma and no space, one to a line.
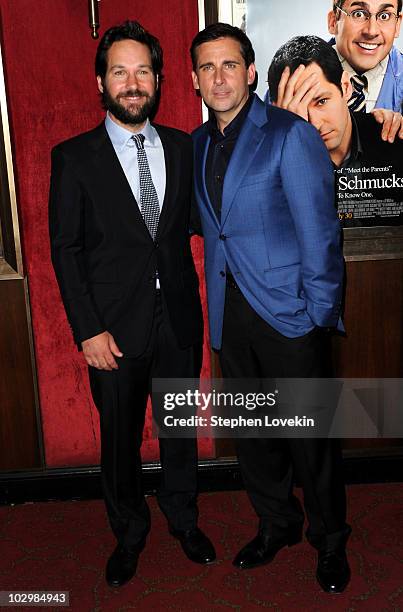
133,114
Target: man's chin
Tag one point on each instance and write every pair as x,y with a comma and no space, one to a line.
128,112
134,110
128,118
331,142
362,62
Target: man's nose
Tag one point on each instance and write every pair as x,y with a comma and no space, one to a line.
371,27
315,119
218,76
131,79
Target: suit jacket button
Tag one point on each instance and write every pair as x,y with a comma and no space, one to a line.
156,245
222,237
222,273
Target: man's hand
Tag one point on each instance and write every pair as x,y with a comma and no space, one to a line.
100,351
392,123
296,98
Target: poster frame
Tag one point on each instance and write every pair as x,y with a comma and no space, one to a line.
11,265
359,243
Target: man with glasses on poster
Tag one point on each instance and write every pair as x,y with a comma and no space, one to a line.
364,33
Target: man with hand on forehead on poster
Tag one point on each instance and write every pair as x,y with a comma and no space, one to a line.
306,77
364,33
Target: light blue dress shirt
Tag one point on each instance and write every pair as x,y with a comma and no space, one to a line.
126,151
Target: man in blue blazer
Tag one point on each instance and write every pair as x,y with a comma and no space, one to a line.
274,272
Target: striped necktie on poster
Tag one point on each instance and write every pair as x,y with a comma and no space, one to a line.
357,101
149,205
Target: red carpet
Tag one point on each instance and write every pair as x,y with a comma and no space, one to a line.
64,545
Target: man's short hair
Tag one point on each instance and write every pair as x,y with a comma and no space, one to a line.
129,30
304,50
340,4
223,30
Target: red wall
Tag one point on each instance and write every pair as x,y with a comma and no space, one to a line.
48,57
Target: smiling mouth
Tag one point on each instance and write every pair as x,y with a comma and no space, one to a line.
132,94
368,46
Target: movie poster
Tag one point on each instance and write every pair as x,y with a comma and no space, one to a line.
369,182
371,195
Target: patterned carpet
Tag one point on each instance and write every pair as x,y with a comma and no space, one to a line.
64,545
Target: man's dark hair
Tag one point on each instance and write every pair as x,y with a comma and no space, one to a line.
129,30
223,30
304,50
340,4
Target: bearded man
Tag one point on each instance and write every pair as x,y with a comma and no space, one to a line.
119,217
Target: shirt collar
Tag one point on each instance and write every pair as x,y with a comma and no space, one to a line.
122,137
234,127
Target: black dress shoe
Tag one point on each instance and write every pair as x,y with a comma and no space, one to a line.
264,547
333,572
196,545
122,565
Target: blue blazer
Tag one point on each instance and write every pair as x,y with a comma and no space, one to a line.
391,94
279,233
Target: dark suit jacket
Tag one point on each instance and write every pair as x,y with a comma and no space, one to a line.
103,255
372,145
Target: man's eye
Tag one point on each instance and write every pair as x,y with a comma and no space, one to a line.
207,68
384,16
358,14
118,72
230,66
322,101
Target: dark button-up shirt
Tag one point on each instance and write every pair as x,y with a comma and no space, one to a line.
219,154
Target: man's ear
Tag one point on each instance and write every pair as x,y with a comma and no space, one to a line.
251,74
398,24
346,86
195,80
332,23
100,86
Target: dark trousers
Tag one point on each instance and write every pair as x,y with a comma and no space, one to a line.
251,348
121,399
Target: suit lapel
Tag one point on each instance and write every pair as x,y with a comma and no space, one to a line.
171,153
201,150
246,148
107,165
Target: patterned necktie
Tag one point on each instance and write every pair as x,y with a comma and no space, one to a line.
357,101
149,206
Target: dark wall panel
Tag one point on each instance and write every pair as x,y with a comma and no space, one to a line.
19,435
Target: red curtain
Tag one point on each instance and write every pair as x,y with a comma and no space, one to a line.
48,57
